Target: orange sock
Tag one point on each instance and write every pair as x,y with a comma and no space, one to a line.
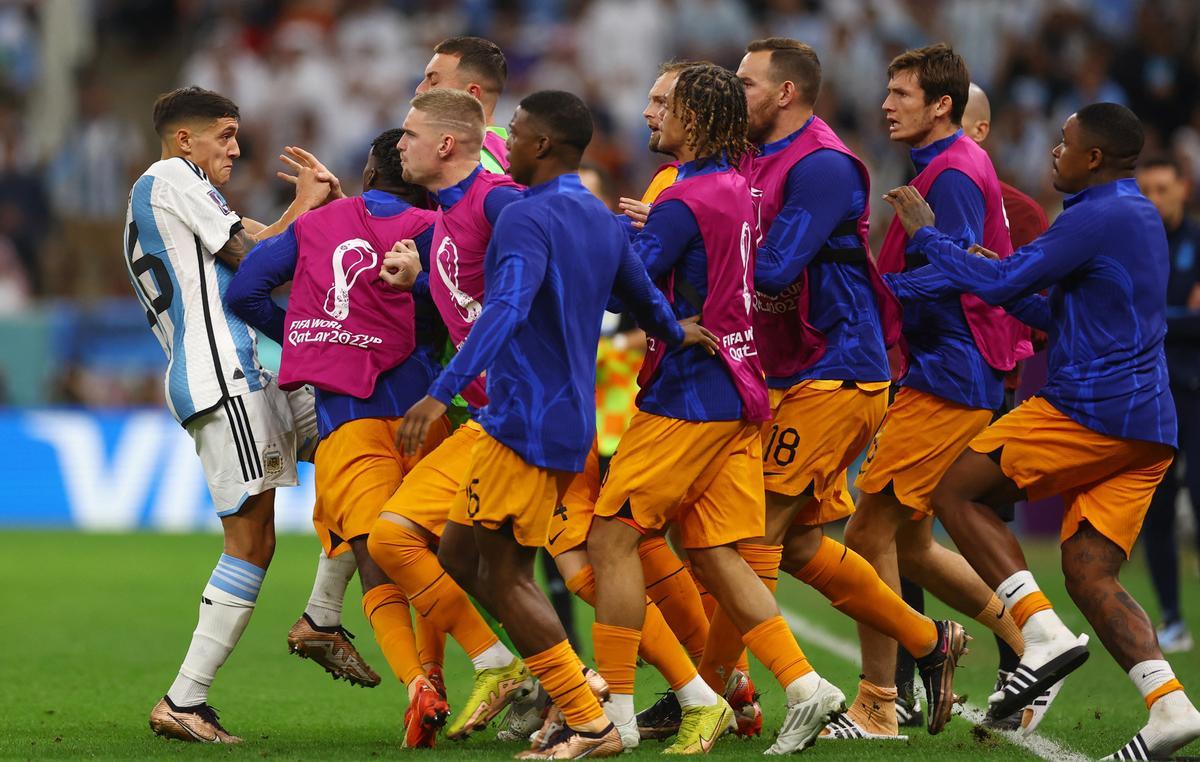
775,646
387,611
561,674
853,587
724,651
998,620
707,602
1028,606
658,645
431,643
1169,686
674,591
616,650
406,558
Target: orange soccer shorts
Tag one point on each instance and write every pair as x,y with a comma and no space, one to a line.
704,475
819,428
920,438
358,467
1105,481
427,494
573,517
501,486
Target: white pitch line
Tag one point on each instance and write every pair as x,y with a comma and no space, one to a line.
809,632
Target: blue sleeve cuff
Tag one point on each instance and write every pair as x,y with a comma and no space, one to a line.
421,284
440,393
923,236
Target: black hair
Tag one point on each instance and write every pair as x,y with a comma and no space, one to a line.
390,170
189,103
1161,161
387,157
480,57
1115,130
563,115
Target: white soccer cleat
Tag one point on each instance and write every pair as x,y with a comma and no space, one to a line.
805,719
1037,672
1174,723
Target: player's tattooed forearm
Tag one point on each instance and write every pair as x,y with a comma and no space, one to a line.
236,248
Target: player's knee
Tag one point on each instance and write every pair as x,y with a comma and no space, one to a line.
866,536
799,549
707,563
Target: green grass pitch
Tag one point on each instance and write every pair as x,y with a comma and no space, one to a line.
98,624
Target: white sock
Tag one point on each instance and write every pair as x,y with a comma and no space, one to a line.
495,656
803,688
1174,721
619,708
329,589
1149,675
696,692
1042,628
225,610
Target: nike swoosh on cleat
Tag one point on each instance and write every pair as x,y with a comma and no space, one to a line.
193,733
1014,591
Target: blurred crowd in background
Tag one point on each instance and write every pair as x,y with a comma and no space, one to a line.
78,78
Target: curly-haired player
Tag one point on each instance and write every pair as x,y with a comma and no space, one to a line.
692,453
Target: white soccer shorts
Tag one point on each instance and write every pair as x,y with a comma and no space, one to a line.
249,443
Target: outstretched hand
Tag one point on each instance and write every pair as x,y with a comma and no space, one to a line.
315,184
695,334
636,210
417,421
911,208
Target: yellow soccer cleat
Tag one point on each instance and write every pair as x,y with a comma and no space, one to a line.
493,690
700,728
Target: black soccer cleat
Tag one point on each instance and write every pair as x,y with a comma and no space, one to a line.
937,672
662,719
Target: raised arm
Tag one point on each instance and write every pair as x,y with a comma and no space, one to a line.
269,265
1045,261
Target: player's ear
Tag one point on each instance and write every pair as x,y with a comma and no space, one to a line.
944,105
476,91
787,93
544,146
1095,158
447,145
183,139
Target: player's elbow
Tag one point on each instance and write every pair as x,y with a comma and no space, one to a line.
240,299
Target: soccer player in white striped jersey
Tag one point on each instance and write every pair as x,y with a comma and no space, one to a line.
182,244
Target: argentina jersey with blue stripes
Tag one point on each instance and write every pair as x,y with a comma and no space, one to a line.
175,222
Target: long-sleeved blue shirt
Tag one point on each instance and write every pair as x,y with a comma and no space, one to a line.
823,191
273,262
1105,261
555,257
943,358
690,384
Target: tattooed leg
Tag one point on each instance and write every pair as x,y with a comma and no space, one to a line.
1091,564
